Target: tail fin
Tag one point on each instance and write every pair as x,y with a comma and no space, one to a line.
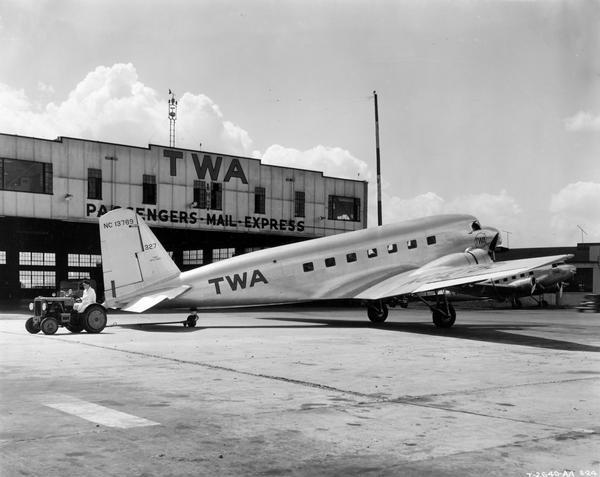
132,257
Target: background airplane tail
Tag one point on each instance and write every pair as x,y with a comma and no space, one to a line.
132,257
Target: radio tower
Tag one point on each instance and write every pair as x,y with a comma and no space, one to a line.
172,118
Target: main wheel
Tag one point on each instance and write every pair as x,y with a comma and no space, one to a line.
49,325
377,314
441,319
31,326
94,319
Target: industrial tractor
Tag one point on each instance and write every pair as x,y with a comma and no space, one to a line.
51,312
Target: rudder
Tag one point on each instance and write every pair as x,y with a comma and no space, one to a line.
132,256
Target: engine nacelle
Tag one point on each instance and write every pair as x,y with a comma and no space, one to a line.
468,257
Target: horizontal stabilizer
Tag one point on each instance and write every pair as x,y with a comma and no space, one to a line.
141,304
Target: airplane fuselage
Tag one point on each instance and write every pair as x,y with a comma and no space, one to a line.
333,267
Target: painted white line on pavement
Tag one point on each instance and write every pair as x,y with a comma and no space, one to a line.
96,413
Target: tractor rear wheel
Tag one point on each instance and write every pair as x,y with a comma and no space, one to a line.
94,319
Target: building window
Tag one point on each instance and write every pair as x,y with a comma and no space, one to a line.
330,262
37,279
299,201
37,259
83,260
350,257
411,244
308,267
259,200
149,189
392,248
372,253
25,176
77,275
193,257
222,254
200,195
431,240
216,196
2,257
94,184
344,208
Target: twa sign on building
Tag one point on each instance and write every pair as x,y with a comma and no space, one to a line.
78,180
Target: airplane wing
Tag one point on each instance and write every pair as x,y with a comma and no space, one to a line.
444,276
140,304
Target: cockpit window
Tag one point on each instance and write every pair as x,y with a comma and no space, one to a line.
475,226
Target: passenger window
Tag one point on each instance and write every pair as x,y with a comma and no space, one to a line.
505,279
308,267
372,252
411,244
431,240
330,262
392,248
514,277
522,275
351,257
530,273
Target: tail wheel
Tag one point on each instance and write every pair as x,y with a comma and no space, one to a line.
49,326
191,321
377,313
94,319
31,326
444,318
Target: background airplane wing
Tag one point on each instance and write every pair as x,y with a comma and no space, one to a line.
435,278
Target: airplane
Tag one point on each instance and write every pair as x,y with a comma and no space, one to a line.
546,279
377,266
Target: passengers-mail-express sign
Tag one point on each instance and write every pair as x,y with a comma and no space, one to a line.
213,168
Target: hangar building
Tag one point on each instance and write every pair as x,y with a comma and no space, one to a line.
202,206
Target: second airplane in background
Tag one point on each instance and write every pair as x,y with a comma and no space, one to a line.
378,266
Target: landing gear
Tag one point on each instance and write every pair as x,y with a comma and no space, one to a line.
191,320
443,313
377,312
516,303
445,316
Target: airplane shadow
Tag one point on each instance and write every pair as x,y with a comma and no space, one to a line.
490,333
162,327
486,333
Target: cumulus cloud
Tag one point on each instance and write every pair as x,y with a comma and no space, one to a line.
333,161
576,204
112,104
583,121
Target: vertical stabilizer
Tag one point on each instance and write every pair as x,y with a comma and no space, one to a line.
132,257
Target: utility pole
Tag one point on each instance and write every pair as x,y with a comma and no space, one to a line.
379,219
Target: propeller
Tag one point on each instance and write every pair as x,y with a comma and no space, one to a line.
493,245
533,285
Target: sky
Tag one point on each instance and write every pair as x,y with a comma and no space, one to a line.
485,107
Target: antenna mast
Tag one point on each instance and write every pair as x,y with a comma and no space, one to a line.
172,118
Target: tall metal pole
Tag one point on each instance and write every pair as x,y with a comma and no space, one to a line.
379,219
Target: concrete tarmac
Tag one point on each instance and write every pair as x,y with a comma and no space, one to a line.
305,392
